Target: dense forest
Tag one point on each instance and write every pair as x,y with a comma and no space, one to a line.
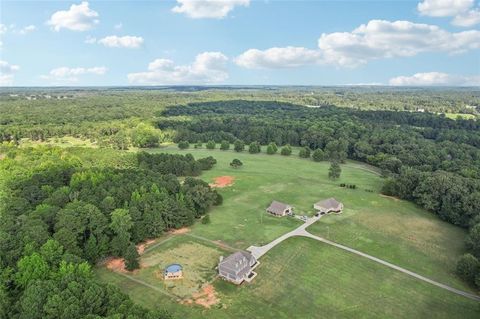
60,217
121,117
64,210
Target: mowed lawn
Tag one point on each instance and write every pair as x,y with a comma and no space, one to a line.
302,278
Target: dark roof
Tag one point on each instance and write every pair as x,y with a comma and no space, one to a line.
330,203
277,207
173,268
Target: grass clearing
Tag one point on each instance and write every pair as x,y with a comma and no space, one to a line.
300,277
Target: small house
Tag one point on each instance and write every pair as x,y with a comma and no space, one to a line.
328,206
173,271
279,209
237,267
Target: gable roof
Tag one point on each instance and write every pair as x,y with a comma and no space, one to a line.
277,207
237,261
330,203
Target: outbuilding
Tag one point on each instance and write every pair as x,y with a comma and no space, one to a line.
279,209
173,271
328,206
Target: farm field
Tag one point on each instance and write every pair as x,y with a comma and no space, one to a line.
301,277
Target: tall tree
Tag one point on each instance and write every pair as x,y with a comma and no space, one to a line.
334,171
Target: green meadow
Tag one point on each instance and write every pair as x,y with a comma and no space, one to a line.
303,278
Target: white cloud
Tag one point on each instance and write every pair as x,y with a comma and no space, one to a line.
118,26
208,67
66,74
127,41
463,11
216,9
13,29
77,18
7,71
287,57
378,39
384,39
435,79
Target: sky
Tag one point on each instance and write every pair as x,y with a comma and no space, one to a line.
240,42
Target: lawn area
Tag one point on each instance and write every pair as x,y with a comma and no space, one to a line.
301,278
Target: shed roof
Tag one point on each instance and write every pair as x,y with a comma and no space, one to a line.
330,203
277,207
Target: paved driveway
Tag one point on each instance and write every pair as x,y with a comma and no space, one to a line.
259,251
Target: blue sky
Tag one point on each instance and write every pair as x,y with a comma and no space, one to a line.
245,42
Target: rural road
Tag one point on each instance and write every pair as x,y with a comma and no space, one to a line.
258,252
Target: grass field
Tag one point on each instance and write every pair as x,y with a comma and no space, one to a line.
302,278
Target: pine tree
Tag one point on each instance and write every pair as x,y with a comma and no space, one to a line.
131,258
334,171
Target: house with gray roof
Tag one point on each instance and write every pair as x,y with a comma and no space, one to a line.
238,267
279,209
328,205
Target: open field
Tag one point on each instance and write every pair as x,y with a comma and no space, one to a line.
301,277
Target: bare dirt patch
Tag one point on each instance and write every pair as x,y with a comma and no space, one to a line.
179,231
116,264
141,247
222,181
206,297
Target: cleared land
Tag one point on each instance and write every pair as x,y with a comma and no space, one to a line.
301,278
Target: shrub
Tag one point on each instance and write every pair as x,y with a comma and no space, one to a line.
304,152
210,145
238,146
254,148
286,150
468,267
318,155
236,163
225,145
272,148
206,163
183,145
199,144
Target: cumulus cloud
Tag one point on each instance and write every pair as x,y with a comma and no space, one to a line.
378,39
208,67
287,57
214,9
126,41
464,12
77,18
435,79
66,74
7,71
385,39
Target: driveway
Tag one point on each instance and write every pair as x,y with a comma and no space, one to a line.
259,251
